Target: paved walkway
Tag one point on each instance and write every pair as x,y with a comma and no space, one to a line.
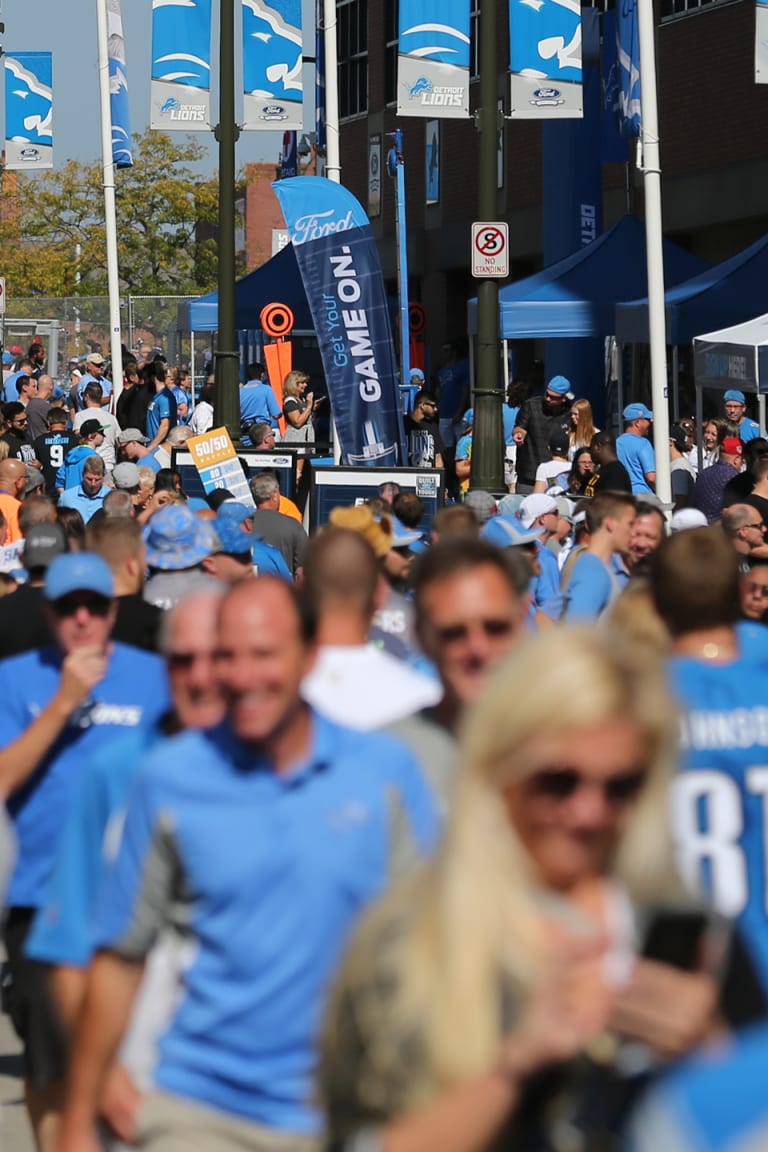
15,1135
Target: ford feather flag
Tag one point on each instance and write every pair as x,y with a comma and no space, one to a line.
181,65
761,42
628,51
272,64
118,88
545,59
433,59
339,265
29,110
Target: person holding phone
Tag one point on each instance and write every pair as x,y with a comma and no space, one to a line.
299,407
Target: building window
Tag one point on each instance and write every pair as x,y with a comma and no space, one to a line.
474,36
680,7
353,57
391,18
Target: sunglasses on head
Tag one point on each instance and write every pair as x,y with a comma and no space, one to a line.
69,605
563,783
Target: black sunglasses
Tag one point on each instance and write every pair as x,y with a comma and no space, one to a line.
455,633
562,783
68,605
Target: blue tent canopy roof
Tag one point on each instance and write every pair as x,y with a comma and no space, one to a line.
277,281
726,294
578,296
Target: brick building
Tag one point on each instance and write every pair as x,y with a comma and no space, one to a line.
714,158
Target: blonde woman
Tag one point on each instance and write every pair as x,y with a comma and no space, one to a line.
460,986
298,408
582,426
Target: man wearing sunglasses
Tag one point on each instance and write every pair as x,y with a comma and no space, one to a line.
538,418
16,434
61,704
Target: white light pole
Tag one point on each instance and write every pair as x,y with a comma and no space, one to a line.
110,220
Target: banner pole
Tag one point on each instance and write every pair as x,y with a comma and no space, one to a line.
332,151
396,164
110,218
653,246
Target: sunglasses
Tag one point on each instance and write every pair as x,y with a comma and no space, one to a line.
564,783
755,524
183,661
758,589
68,605
458,633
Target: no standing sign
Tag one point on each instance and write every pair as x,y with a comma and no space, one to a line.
490,248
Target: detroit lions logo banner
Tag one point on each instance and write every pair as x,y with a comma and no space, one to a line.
339,265
628,52
761,42
29,110
433,59
545,59
272,64
181,65
118,88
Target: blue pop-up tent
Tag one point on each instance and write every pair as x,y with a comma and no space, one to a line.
728,293
277,281
578,296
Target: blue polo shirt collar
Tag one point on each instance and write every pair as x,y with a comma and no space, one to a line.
322,747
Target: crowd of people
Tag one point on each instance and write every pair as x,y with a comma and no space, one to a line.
405,835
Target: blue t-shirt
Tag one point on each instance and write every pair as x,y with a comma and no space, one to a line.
258,404
720,799
181,397
85,503
638,457
268,911
270,561
163,407
63,930
748,430
590,589
509,419
712,1102
132,694
9,388
89,378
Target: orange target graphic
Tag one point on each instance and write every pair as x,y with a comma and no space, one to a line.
277,320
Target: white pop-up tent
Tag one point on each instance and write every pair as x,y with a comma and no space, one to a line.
735,357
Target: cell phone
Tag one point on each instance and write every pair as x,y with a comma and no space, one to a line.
676,937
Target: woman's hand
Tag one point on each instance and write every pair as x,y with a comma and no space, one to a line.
670,1010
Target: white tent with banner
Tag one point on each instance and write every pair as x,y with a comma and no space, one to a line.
735,357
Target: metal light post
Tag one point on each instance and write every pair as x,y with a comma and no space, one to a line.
226,357
487,464
396,166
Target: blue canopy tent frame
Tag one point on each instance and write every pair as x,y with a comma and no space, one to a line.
733,357
577,296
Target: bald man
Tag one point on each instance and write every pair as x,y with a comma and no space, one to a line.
13,481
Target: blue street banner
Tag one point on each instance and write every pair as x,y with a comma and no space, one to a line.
319,79
761,42
433,59
272,64
118,88
181,65
545,59
628,51
339,265
613,146
28,110
289,157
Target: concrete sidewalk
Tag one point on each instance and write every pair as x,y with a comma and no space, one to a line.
15,1135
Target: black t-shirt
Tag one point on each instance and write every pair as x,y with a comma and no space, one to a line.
50,450
23,621
736,490
760,503
137,623
424,443
610,477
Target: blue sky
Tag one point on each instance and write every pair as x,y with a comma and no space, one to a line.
68,29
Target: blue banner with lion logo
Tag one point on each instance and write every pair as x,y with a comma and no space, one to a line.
433,59
29,110
181,65
272,64
118,88
339,264
545,59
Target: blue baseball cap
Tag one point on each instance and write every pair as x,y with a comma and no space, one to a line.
78,572
560,385
175,537
508,532
469,416
234,512
637,412
417,376
734,394
230,539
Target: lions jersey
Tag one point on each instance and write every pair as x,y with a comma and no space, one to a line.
719,802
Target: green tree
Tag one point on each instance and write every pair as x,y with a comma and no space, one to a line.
166,224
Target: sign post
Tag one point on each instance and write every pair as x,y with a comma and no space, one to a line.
490,249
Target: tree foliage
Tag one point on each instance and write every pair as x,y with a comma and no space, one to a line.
52,236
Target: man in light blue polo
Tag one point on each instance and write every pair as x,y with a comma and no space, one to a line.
87,496
735,408
635,450
263,840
